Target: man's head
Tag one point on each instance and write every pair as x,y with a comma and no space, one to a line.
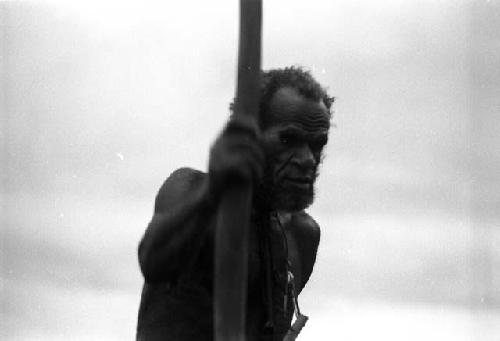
294,119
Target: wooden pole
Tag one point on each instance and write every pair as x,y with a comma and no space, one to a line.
233,216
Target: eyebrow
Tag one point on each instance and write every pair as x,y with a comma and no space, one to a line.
291,130
299,132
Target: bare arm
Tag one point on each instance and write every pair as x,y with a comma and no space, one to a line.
176,228
307,234
188,199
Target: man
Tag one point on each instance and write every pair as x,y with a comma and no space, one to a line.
281,158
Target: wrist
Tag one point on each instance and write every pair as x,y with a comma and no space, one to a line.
207,194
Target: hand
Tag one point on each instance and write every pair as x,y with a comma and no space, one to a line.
236,155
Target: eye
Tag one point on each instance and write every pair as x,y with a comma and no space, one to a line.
318,145
287,139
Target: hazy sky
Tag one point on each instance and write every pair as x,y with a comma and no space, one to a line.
101,101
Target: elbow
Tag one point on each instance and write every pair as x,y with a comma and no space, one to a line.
147,263
153,263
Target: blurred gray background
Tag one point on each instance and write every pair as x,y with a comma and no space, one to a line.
102,100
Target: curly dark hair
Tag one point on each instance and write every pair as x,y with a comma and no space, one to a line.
294,77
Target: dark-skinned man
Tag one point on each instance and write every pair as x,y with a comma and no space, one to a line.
280,158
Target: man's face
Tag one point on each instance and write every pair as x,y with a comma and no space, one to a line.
293,140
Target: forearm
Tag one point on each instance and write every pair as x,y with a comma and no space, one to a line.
171,232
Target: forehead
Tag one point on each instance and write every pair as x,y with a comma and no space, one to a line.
289,107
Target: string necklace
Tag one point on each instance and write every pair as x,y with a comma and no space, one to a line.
300,319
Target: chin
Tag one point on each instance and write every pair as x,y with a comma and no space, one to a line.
292,201
293,204
282,197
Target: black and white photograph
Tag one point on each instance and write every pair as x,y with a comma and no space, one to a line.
250,170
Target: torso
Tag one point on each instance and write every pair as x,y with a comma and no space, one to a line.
183,308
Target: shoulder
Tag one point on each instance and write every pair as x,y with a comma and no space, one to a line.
180,182
182,177
305,227
305,234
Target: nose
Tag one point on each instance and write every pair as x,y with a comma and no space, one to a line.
304,158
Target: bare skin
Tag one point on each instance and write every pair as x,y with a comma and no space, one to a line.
281,161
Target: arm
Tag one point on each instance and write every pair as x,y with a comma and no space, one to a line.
181,202
188,199
307,234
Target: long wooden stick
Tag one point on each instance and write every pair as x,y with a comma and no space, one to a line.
233,216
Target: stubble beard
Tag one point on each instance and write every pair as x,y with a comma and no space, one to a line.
272,194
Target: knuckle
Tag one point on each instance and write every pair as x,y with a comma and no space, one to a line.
243,125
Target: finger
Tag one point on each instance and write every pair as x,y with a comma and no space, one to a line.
243,125
251,162
247,148
236,168
251,167
243,166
